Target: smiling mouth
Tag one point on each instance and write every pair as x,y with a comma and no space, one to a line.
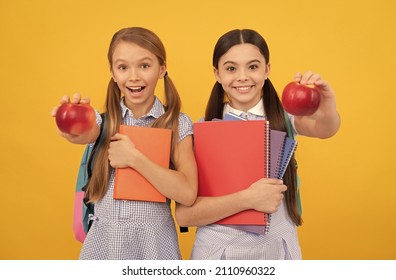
243,89
135,89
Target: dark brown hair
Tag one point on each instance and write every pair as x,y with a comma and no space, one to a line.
98,184
272,105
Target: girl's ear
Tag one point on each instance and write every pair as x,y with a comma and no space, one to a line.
216,73
112,75
162,71
268,71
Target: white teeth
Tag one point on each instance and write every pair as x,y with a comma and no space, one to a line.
243,89
135,89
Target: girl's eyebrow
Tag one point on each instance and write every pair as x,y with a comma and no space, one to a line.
249,62
254,61
118,60
230,62
140,60
146,58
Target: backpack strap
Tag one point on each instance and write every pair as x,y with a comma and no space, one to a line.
82,209
290,134
81,212
99,141
92,157
85,174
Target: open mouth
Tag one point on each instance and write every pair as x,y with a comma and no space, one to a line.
135,89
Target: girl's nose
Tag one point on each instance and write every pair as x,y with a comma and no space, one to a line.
133,75
242,76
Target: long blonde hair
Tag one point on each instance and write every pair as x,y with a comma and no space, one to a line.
98,183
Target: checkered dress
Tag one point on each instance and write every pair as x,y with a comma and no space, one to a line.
134,230
223,242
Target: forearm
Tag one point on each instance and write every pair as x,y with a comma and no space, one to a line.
328,125
264,195
323,124
171,183
208,210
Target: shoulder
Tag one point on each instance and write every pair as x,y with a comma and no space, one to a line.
183,117
185,126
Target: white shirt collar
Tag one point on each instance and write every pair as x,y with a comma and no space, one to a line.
156,111
257,110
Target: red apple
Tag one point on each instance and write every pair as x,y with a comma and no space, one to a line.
75,118
300,100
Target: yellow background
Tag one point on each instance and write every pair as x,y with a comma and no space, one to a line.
55,48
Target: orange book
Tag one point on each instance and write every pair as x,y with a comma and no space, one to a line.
231,155
155,143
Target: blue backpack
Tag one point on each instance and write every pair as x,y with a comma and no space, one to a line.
83,210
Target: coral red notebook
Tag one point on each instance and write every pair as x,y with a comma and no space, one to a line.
155,143
231,155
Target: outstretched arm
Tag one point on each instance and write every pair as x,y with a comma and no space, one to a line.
325,122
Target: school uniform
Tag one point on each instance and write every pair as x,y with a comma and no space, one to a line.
223,242
134,230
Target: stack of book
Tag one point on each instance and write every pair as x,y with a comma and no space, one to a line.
232,154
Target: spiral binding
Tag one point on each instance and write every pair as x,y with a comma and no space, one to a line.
286,160
267,226
267,171
267,150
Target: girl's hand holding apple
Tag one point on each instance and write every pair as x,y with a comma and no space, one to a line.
74,116
300,100
307,94
312,101
76,119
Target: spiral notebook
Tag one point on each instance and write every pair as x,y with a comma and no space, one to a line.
277,140
289,148
281,150
155,143
230,157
